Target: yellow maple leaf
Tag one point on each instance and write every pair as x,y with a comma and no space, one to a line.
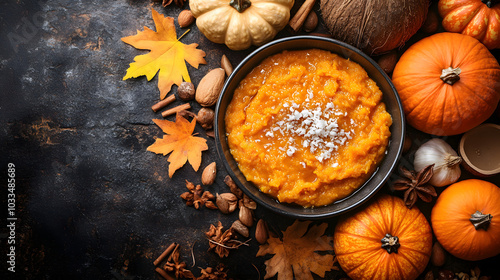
180,142
295,254
168,55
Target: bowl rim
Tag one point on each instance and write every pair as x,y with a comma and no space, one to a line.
310,216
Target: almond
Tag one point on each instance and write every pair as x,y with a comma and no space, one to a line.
261,232
185,18
438,256
240,228
246,216
226,65
210,87
208,175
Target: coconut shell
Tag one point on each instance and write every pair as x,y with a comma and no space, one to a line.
374,26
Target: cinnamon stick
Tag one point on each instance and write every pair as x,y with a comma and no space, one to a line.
171,255
165,253
174,110
164,274
300,17
163,103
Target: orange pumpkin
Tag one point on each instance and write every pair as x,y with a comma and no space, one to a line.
385,240
466,219
477,18
448,83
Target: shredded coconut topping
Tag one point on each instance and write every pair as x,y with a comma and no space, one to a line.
317,127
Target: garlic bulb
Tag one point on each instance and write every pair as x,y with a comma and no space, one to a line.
446,161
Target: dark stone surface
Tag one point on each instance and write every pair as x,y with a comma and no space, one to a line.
91,202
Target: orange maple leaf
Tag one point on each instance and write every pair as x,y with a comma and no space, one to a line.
180,141
167,55
295,254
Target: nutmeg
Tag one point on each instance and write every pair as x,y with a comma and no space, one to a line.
205,118
185,18
186,91
311,22
209,173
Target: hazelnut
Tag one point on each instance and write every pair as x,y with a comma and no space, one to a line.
186,91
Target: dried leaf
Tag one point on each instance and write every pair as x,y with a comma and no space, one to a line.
295,254
168,54
180,142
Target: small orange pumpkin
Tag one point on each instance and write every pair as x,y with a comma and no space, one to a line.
466,219
385,240
448,83
477,18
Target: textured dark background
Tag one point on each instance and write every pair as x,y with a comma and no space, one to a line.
92,203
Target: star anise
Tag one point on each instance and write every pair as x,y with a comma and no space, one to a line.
178,268
213,274
415,185
197,197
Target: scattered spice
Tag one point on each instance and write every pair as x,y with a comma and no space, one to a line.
416,185
197,197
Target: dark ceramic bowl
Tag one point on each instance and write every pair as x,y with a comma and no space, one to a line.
390,98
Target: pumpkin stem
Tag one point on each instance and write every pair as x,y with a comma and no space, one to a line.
490,3
240,5
390,243
450,75
480,220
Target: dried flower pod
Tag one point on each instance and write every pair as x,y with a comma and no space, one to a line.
226,202
233,187
206,117
246,216
261,232
211,205
209,173
186,91
240,228
429,275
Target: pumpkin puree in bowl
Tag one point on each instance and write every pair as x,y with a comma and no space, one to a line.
307,127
